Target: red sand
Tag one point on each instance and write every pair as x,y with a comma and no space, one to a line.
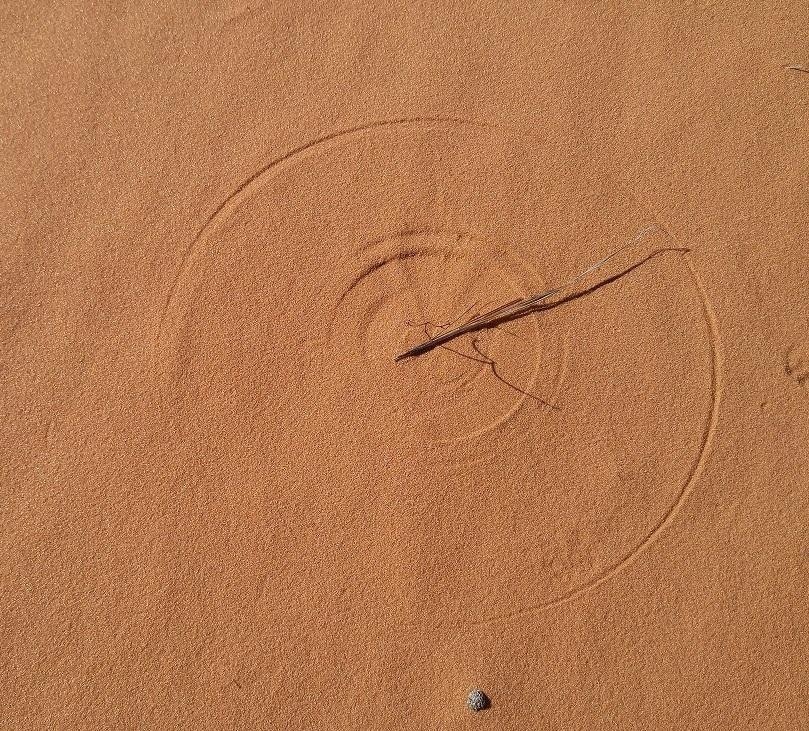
225,506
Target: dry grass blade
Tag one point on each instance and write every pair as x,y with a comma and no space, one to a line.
515,307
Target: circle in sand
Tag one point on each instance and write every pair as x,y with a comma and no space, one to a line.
412,285
554,468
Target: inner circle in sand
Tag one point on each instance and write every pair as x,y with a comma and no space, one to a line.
412,285
431,482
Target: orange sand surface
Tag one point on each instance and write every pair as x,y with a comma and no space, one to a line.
225,506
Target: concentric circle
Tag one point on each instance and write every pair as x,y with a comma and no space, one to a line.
510,471
413,285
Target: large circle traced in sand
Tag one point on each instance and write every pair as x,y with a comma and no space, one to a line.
509,472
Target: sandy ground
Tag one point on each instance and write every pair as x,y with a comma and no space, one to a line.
225,506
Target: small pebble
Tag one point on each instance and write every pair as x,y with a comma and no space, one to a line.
477,700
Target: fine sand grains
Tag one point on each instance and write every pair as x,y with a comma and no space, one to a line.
226,506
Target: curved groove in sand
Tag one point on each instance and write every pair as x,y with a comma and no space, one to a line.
391,254
694,474
526,390
246,188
